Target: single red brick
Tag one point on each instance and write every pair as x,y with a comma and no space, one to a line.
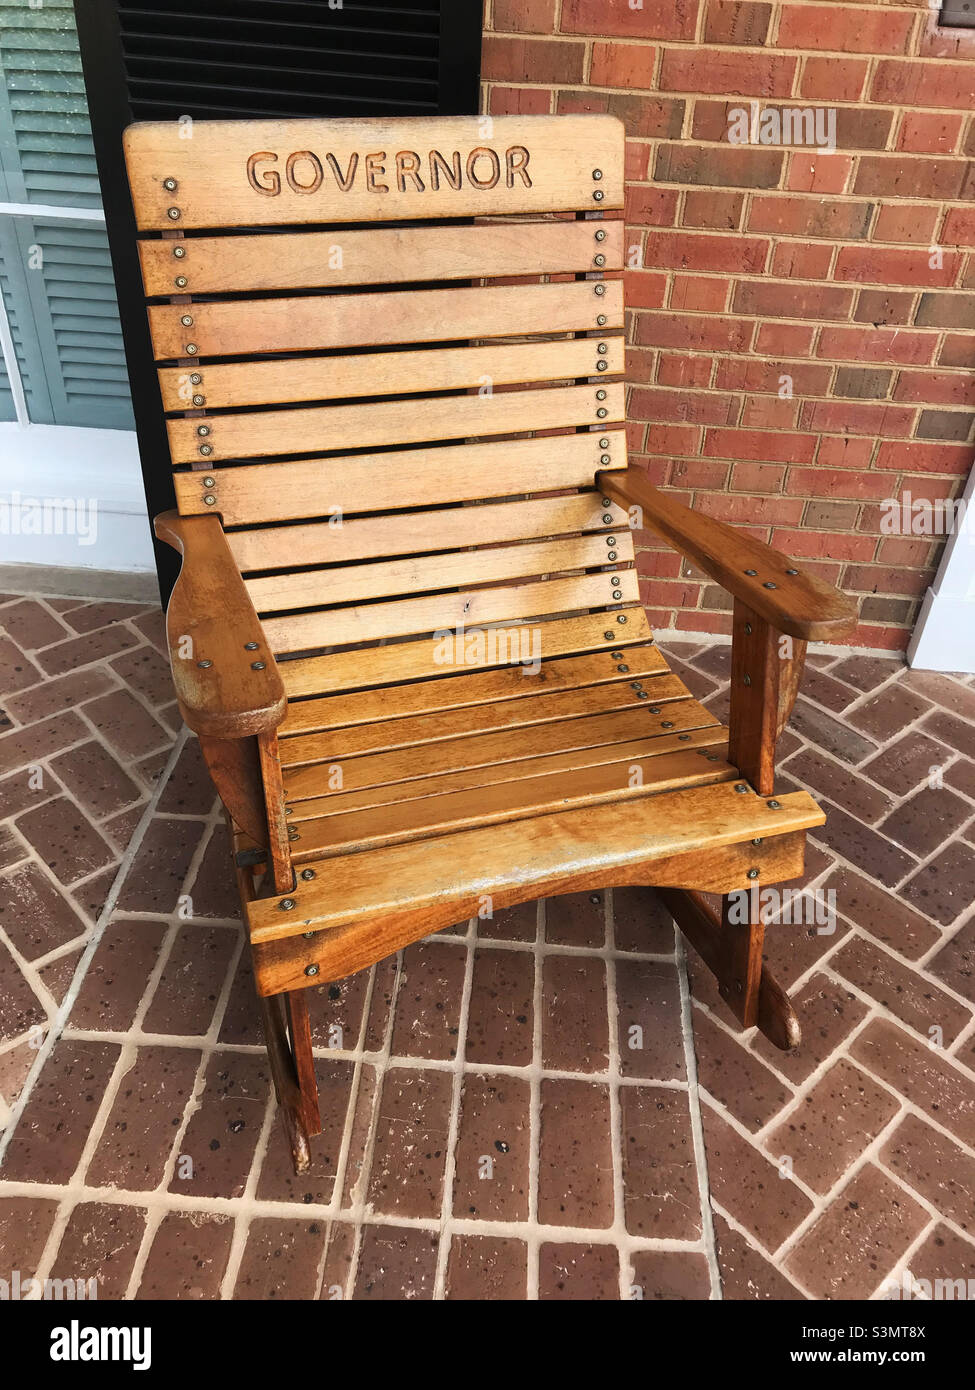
748,374
834,79
897,550
845,29
699,473
906,222
912,176
644,116
802,260
941,388
520,101
678,369
737,22
654,19
776,299
844,453
713,70
887,265
946,311
698,621
770,413
622,65
929,132
959,228
857,417
786,339
766,446
692,407
919,457
876,345
717,208
555,61
914,84
647,206
700,293
819,172
694,333
810,217
733,254
674,439
958,350
825,545
757,477
636,166
735,167
523,16
837,482
644,290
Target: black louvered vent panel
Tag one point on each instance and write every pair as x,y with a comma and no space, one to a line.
234,58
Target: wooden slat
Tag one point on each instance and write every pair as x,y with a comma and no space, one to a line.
502,746
322,543
479,719
425,574
390,481
562,676
407,421
471,609
504,802
413,879
239,384
299,260
409,661
225,173
308,323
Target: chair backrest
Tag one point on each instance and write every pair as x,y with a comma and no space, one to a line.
399,423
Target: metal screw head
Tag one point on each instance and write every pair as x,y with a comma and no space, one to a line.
600,394
623,668
753,873
636,685
195,378
286,904
597,174
683,738
204,664
293,834
605,501
621,618
607,520
604,444
746,679
617,594
311,969
611,555
602,366
257,665
792,571
666,724
602,349
203,429
179,252
250,646
206,450
598,195
600,235
741,786
308,874
209,499
751,572
186,320
617,656
604,459
173,214
748,629
191,349
774,805
199,400
609,636
208,482
757,841
600,288
600,260
307,935
615,579
601,320
642,695
654,709
180,282
595,898
601,413
769,585
170,185
610,540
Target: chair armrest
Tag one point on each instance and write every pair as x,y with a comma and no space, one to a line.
767,581
210,619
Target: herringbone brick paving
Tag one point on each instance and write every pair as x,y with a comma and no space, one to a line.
552,1104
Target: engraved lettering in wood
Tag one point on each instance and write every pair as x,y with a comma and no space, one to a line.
308,172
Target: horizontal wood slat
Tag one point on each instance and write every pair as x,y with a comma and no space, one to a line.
276,172
477,719
240,384
416,878
299,260
564,676
425,574
308,323
504,801
502,746
390,481
389,422
371,622
323,543
408,661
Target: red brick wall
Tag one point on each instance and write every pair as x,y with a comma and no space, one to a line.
759,262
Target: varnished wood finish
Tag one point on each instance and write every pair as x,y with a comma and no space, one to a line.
209,623
224,175
235,766
767,581
278,843
766,667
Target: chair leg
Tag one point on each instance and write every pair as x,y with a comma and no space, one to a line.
292,1070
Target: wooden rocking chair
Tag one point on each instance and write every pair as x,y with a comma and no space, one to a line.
407,628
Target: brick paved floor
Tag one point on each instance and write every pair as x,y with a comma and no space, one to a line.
494,1129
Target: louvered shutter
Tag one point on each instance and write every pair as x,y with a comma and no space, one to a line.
55,273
